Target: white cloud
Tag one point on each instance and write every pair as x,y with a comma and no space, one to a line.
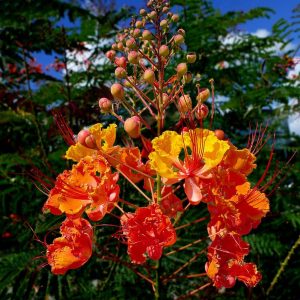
261,33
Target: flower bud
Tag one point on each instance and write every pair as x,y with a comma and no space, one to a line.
181,69
163,23
120,72
133,57
147,35
188,77
203,95
90,142
165,9
165,99
175,18
130,43
181,31
164,51
149,3
152,15
120,46
81,136
136,32
133,127
178,39
201,112
139,24
143,12
111,54
114,46
220,134
105,105
185,103
121,62
117,91
149,76
191,57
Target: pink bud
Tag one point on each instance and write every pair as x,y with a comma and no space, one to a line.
181,69
111,54
117,91
105,105
201,112
114,46
121,62
152,15
149,76
136,32
143,12
163,23
164,51
120,72
130,43
191,57
139,24
203,95
178,39
120,46
184,104
147,35
90,142
165,98
82,135
133,57
188,77
133,127
175,18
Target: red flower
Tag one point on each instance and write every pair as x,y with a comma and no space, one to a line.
73,249
147,230
170,204
226,262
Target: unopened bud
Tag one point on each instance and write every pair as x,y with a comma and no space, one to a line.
203,95
120,46
181,31
178,39
120,72
111,54
149,76
191,57
175,18
81,136
114,46
185,103
121,62
105,105
201,112
136,32
149,3
117,91
133,57
164,51
220,134
127,83
90,142
139,24
147,35
143,12
163,24
130,43
133,127
152,15
165,98
165,9
188,77
181,69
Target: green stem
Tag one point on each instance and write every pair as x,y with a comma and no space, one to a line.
283,265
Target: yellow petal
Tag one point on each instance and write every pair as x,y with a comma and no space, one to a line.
78,151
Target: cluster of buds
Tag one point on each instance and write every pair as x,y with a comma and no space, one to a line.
203,163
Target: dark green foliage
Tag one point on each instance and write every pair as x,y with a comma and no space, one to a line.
255,80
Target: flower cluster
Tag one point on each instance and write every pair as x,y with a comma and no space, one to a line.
200,162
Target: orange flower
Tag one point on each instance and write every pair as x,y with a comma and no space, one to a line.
170,204
73,249
89,185
147,230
